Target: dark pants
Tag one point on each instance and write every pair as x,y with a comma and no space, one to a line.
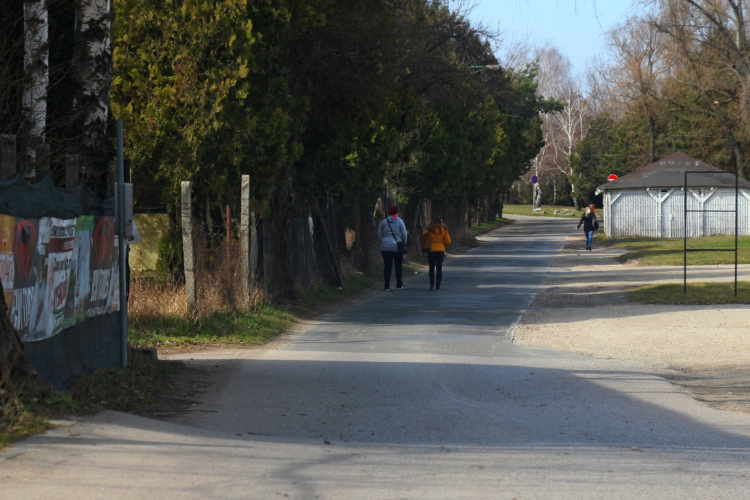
436,267
388,259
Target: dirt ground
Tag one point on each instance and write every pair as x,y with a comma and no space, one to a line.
585,309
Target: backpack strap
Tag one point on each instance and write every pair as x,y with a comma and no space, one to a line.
392,233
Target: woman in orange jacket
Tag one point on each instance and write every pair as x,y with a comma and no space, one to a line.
439,239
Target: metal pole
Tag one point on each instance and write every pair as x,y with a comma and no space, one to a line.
736,226
684,248
122,245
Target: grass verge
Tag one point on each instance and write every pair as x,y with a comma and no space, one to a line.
143,382
20,419
669,252
697,293
486,226
253,327
548,211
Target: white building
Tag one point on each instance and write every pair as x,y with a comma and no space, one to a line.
651,201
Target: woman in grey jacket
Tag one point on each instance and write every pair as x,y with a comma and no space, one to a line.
391,232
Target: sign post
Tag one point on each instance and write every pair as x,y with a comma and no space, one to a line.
123,249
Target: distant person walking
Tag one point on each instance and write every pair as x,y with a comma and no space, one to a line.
438,240
590,224
392,236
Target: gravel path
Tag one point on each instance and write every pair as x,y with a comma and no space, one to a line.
585,309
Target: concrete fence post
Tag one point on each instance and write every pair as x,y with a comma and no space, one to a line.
191,292
8,165
245,236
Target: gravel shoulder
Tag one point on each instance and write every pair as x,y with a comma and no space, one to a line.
585,309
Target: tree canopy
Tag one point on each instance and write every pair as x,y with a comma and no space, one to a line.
314,98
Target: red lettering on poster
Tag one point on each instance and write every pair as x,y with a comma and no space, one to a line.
103,240
25,247
61,292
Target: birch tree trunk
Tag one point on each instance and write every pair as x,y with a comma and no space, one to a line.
36,81
538,194
92,70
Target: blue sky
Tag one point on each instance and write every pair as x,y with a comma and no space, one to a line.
576,27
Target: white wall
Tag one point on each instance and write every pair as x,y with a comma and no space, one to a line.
638,212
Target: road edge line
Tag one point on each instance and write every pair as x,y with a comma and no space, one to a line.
514,326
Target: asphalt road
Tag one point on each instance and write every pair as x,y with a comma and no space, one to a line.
413,394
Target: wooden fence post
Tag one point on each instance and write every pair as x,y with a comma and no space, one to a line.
72,171
266,245
191,291
245,236
329,244
8,165
253,251
358,236
229,244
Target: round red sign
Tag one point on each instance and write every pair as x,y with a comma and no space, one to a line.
611,178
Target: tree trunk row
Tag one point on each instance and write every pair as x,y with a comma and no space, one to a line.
91,71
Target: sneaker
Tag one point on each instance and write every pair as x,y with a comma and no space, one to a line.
432,288
437,289
402,287
387,290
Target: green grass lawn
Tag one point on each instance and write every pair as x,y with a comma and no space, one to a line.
486,226
697,293
668,252
549,211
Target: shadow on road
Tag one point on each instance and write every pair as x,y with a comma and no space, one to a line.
454,402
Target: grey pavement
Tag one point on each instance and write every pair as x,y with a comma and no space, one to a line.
412,394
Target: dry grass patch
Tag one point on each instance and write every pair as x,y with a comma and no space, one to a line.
158,312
